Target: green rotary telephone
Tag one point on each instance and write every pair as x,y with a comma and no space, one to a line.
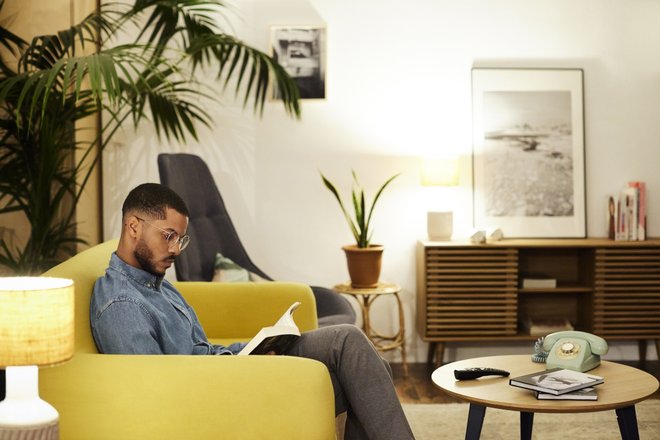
574,350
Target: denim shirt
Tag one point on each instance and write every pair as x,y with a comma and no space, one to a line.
135,312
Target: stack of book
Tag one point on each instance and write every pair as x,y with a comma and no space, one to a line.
538,283
560,384
626,214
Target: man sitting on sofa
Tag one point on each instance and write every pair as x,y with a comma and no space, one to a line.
134,310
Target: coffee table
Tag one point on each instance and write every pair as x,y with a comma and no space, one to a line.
624,386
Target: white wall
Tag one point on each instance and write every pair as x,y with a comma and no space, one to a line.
398,87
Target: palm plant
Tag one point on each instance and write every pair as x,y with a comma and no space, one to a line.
361,221
50,85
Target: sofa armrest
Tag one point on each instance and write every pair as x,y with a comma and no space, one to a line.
198,397
237,311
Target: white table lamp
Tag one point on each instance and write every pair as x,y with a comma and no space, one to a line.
441,171
36,329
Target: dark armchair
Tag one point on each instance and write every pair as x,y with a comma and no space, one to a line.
211,231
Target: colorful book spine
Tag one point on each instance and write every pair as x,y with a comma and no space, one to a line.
626,213
641,208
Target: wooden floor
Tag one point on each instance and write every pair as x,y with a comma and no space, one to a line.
418,387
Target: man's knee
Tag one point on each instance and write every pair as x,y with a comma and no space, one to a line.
355,336
351,332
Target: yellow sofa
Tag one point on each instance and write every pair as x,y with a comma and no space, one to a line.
177,397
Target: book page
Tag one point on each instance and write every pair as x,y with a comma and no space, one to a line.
287,318
275,338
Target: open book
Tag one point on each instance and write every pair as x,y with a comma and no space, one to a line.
276,338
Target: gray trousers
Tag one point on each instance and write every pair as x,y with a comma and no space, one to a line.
361,379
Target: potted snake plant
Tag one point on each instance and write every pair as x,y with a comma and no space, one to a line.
363,258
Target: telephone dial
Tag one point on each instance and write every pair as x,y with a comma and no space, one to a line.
574,350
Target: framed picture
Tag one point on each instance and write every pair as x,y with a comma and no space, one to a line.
528,151
301,51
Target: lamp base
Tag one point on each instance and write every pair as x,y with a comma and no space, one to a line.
440,225
23,415
42,432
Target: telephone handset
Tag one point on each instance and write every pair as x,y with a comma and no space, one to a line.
574,350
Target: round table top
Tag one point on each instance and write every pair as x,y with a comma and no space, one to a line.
382,288
623,386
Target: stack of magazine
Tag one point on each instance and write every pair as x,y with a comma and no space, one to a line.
560,384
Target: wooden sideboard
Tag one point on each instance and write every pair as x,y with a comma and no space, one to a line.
469,292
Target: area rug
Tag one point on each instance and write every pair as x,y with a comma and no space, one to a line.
448,421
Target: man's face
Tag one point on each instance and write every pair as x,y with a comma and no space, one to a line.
152,251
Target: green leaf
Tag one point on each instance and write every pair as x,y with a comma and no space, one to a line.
360,224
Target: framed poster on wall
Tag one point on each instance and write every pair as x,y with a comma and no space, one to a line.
528,151
301,51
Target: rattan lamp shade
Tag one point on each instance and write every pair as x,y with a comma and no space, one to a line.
36,321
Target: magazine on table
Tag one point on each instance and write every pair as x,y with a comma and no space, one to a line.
588,393
556,381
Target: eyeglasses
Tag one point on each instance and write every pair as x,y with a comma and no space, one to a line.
171,237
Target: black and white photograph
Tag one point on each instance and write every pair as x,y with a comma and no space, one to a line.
301,51
529,152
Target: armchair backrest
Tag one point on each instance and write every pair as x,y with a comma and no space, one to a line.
210,228
84,268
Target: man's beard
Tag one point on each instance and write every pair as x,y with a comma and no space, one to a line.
144,257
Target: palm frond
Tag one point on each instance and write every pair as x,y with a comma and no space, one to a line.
169,19
46,50
239,62
54,81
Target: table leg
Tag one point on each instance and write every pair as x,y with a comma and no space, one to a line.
526,424
627,423
475,421
364,308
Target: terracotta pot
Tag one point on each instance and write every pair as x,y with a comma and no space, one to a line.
364,264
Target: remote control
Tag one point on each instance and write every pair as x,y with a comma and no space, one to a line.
477,372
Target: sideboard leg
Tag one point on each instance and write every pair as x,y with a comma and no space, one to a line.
439,354
526,425
475,421
641,347
431,354
627,420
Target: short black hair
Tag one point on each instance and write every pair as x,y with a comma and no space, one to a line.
153,199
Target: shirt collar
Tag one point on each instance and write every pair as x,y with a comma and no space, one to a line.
140,276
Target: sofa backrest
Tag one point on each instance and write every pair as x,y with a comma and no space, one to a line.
84,268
